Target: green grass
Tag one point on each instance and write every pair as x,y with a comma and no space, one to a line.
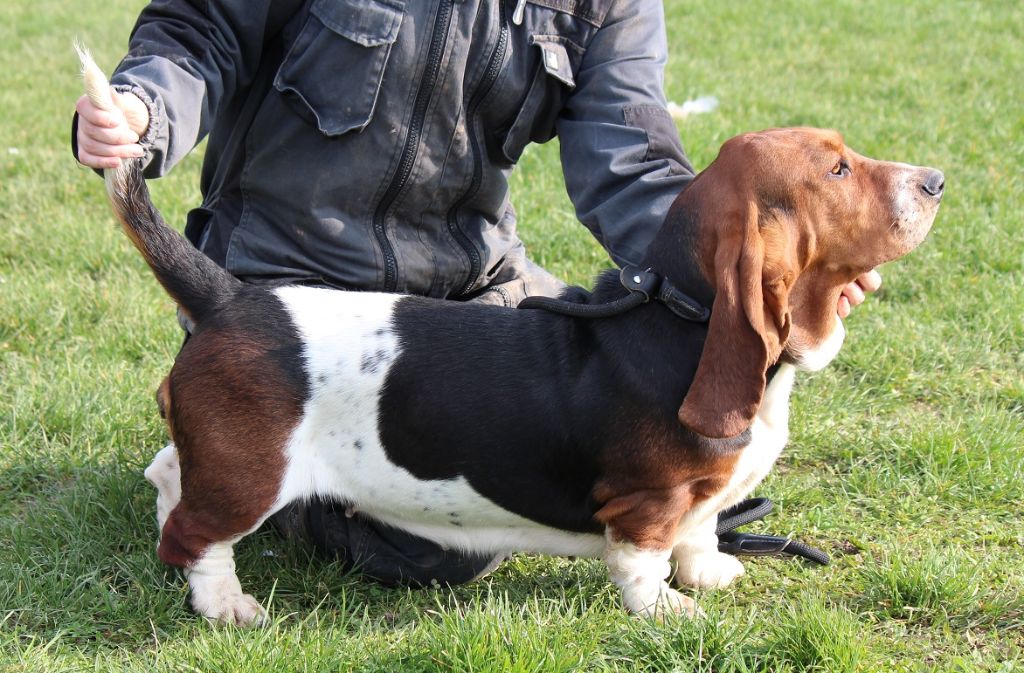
907,456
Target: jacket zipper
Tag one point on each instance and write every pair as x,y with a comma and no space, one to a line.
493,69
438,39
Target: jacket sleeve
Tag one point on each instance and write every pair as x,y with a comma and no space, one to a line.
620,149
185,58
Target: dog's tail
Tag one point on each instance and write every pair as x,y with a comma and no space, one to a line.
192,279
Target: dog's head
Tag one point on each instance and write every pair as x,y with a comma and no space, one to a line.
785,219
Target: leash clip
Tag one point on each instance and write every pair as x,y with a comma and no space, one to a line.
751,544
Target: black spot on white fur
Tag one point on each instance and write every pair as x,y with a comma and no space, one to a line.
372,362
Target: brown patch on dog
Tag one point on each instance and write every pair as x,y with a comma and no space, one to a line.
669,471
231,414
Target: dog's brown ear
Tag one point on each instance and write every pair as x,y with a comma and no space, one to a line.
749,324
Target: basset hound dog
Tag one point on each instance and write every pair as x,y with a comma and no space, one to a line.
619,437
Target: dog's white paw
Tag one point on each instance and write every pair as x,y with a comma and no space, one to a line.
707,570
219,597
230,608
658,602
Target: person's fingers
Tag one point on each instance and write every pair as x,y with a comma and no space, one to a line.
844,307
104,137
92,114
98,149
870,281
92,161
120,135
854,294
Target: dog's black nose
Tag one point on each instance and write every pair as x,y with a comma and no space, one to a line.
933,183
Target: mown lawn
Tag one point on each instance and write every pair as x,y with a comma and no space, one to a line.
906,461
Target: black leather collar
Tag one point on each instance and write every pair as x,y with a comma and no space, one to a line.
643,286
653,286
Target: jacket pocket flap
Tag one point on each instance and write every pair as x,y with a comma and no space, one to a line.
555,58
370,23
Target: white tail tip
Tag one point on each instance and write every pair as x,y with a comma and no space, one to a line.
97,88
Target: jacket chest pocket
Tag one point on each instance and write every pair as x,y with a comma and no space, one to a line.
332,73
552,35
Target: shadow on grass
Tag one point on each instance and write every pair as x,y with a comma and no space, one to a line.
80,566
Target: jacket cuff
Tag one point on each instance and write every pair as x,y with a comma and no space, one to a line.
148,139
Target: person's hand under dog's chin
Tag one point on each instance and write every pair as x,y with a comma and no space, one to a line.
856,292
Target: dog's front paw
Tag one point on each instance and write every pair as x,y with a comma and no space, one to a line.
707,570
230,608
659,603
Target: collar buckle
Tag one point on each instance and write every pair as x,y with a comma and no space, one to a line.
635,279
653,286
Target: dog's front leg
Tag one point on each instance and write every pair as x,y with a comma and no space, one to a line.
641,574
698,561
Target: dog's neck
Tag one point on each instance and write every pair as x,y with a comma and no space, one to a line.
674,254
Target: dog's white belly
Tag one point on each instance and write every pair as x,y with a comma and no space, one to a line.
336,451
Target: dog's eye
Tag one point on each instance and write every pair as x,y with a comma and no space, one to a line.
841,169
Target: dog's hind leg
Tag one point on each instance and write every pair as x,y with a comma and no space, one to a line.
221,502
195,540
216,591
232,429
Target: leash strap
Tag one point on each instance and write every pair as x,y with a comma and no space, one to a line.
750,544
643,286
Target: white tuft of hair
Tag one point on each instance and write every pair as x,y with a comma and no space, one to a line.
97,88
697,106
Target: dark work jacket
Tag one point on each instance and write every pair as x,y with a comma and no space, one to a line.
367,143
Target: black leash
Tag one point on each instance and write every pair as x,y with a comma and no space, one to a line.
643,286
750,544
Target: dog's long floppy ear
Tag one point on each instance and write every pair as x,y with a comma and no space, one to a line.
749,324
